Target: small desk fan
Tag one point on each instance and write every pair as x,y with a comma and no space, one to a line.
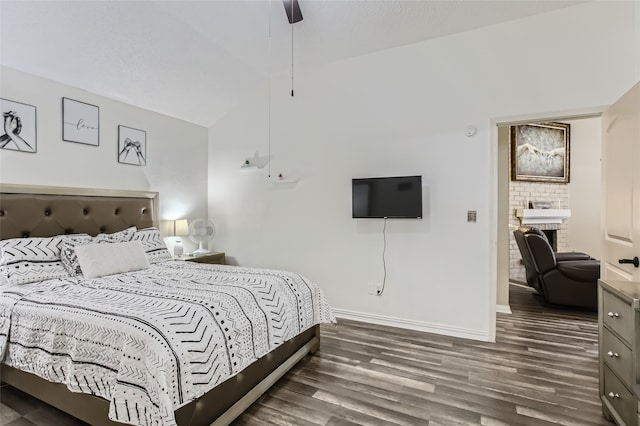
201,231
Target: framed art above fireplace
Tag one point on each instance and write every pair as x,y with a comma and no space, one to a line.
540,152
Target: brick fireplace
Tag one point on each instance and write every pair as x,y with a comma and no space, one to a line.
520,194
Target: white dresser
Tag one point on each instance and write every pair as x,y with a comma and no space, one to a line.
619,350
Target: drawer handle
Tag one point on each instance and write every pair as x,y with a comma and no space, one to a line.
614,395
613,354
613,314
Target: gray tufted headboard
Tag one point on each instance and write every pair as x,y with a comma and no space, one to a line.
41,211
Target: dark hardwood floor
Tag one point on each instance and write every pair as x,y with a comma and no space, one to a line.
541,371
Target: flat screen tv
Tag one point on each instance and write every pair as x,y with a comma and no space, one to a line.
387,197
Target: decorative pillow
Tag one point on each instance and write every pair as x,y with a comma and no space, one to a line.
68,253
69,245
97,260
153,244
4,281
28,260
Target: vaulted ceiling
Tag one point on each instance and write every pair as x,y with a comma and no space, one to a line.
195,59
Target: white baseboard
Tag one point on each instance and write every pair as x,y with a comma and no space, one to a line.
426,327
503,309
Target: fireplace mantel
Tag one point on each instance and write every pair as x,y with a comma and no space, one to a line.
542,216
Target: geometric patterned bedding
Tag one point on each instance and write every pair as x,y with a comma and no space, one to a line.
151,341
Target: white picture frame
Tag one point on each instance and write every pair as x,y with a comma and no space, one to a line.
19,126
80,122
132,146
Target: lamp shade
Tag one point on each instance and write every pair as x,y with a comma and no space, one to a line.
167,228
181,227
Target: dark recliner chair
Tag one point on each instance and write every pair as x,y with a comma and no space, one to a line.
530,270
569,279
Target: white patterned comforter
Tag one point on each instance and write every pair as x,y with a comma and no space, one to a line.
151,341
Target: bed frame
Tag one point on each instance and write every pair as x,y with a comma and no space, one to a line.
40,211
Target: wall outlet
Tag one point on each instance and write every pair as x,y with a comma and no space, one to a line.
374,289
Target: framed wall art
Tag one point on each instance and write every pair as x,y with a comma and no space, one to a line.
18,132
132,146
80,122
540,152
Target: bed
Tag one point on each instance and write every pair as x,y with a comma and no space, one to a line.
146,380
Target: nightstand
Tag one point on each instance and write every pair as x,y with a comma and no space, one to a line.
212,258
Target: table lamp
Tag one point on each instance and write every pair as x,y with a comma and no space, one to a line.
179,229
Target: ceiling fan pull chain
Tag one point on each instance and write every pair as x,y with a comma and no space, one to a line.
292,51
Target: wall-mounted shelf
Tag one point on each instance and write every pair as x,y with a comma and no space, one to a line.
254,163
290,180
250,167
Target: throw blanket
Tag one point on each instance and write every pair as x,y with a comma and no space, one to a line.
151,341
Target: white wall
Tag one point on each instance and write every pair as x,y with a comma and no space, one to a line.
401,112
176,150
585,189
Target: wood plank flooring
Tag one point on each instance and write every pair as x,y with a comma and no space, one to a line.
541,371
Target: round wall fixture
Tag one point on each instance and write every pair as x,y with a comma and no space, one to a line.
471,130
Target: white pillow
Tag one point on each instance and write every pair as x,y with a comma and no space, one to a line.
97,260
67,248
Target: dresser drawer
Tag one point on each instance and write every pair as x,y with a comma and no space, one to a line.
618,316
619,396
616,355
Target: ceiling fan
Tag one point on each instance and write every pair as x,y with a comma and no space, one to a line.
294,14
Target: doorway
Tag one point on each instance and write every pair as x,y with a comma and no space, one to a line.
582,196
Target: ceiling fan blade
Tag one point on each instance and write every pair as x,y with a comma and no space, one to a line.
294,14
